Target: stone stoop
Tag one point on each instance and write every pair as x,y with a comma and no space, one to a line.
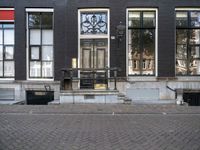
90,96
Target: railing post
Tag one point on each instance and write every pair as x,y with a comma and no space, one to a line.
115,78
106,78
71,78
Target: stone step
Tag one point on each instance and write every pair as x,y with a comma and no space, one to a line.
154,101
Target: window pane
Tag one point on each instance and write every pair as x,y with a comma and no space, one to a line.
195,36
47,37
35,53
34,20
135,39
1,37
47,69
8,36
195,19
148,52
8,26
9,68
181,19
149,19
134,19
194,68
35,37
9,52
94,23
47,20
181,67
134,66
35,69
1,68
1,52
47,52
181,52
181,36
148,44
195,52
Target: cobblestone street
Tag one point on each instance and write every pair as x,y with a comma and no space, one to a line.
35,128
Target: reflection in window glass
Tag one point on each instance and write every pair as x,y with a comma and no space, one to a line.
35,36
1,68
35,53
47,20
9,68
35,69
8,36
188,43
141,43
181,19
195,19
47,53
1,36
34,20
47,37
47,69
195,52
181,51
9,52
1,52
181,36
149,19
134,19
195,36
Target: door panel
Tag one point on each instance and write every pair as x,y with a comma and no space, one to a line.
94,55
101,58
86,61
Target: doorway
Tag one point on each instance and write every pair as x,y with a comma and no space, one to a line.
193,99
93,61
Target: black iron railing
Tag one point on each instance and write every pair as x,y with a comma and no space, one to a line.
88,77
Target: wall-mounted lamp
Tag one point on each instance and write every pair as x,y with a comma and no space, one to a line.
120,31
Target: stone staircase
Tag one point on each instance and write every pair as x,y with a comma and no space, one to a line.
122,98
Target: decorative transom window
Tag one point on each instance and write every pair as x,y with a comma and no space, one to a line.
41,45
93,22
141,41
7,42
188,42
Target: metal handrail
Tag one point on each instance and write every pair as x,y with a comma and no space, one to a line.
93,71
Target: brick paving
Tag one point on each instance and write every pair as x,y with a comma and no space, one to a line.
96,127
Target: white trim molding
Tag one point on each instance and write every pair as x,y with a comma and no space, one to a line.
39,10
188,9
27,44
106,36
156,38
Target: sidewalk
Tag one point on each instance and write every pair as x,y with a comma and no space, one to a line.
100,109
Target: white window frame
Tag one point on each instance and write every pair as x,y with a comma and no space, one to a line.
190,77
106,36
9,79
156,39
27,44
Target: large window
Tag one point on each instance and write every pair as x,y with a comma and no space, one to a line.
40,41
141,42
7,64
188,42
